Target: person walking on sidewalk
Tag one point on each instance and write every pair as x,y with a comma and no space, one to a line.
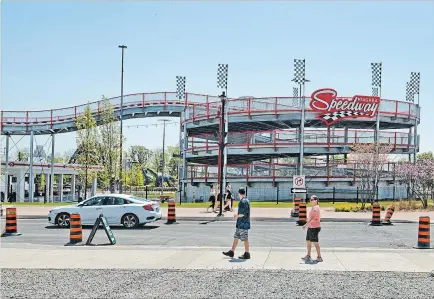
211,198
242,226
228,199
313,228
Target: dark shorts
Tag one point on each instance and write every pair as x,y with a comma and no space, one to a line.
312,234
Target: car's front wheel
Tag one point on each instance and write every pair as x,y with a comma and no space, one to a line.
62,220
130,221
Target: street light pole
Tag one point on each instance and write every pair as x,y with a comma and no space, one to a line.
120,117
163,164
222,82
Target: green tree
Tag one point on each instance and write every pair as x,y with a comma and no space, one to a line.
172,162
87,141
109,143
425,156
140,154
23,154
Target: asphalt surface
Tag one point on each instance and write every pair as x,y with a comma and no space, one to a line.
35,284
262,234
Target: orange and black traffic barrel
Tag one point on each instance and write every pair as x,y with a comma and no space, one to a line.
389,214
376,215
11,223
171,212
423,236
75,229
302,215
296,209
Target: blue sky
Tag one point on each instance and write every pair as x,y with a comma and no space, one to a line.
57,54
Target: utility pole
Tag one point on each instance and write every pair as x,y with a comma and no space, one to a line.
120,117
163,164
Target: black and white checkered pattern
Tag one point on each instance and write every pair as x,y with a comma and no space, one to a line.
376,73
330,118
180,87
375,91
409,95
415,82
295,99
299,71
222,76
295,92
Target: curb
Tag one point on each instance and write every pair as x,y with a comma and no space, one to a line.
231,219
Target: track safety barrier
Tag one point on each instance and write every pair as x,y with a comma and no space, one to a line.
295,211
302,216
389,214
11,223
423,235
376,215
75,230
171,213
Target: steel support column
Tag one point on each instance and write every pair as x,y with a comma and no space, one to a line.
31,179
52,170
73,187
7,168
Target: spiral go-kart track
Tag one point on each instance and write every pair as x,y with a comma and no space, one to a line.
261,131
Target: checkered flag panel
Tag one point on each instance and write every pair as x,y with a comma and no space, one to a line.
180,87
415,82
375,91
295,99
376,74
331,118
222,76
299,71
409,95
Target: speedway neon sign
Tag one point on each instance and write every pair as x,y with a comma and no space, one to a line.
334,109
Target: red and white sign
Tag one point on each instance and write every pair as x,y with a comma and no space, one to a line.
334,109
299,181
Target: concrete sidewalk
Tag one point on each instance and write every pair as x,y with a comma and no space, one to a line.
146,257
257,214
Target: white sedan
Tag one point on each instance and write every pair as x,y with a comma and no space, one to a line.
119,209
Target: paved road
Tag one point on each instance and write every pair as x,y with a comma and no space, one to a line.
263,234
116,283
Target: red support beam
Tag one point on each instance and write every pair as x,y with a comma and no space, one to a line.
275,107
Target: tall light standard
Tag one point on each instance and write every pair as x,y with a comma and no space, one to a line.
180,94
222,82
300,79
120,117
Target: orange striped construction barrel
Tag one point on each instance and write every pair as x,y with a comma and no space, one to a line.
75,230
171,212
376,215
11,223
302,216
389,214
296,209
423,236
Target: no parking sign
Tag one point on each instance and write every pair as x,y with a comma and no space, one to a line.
299,182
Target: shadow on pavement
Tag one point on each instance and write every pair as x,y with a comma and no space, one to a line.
88,227
235,260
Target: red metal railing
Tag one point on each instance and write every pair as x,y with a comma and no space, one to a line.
199,106
287,138
273,171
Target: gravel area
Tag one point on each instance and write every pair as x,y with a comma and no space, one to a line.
41,283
